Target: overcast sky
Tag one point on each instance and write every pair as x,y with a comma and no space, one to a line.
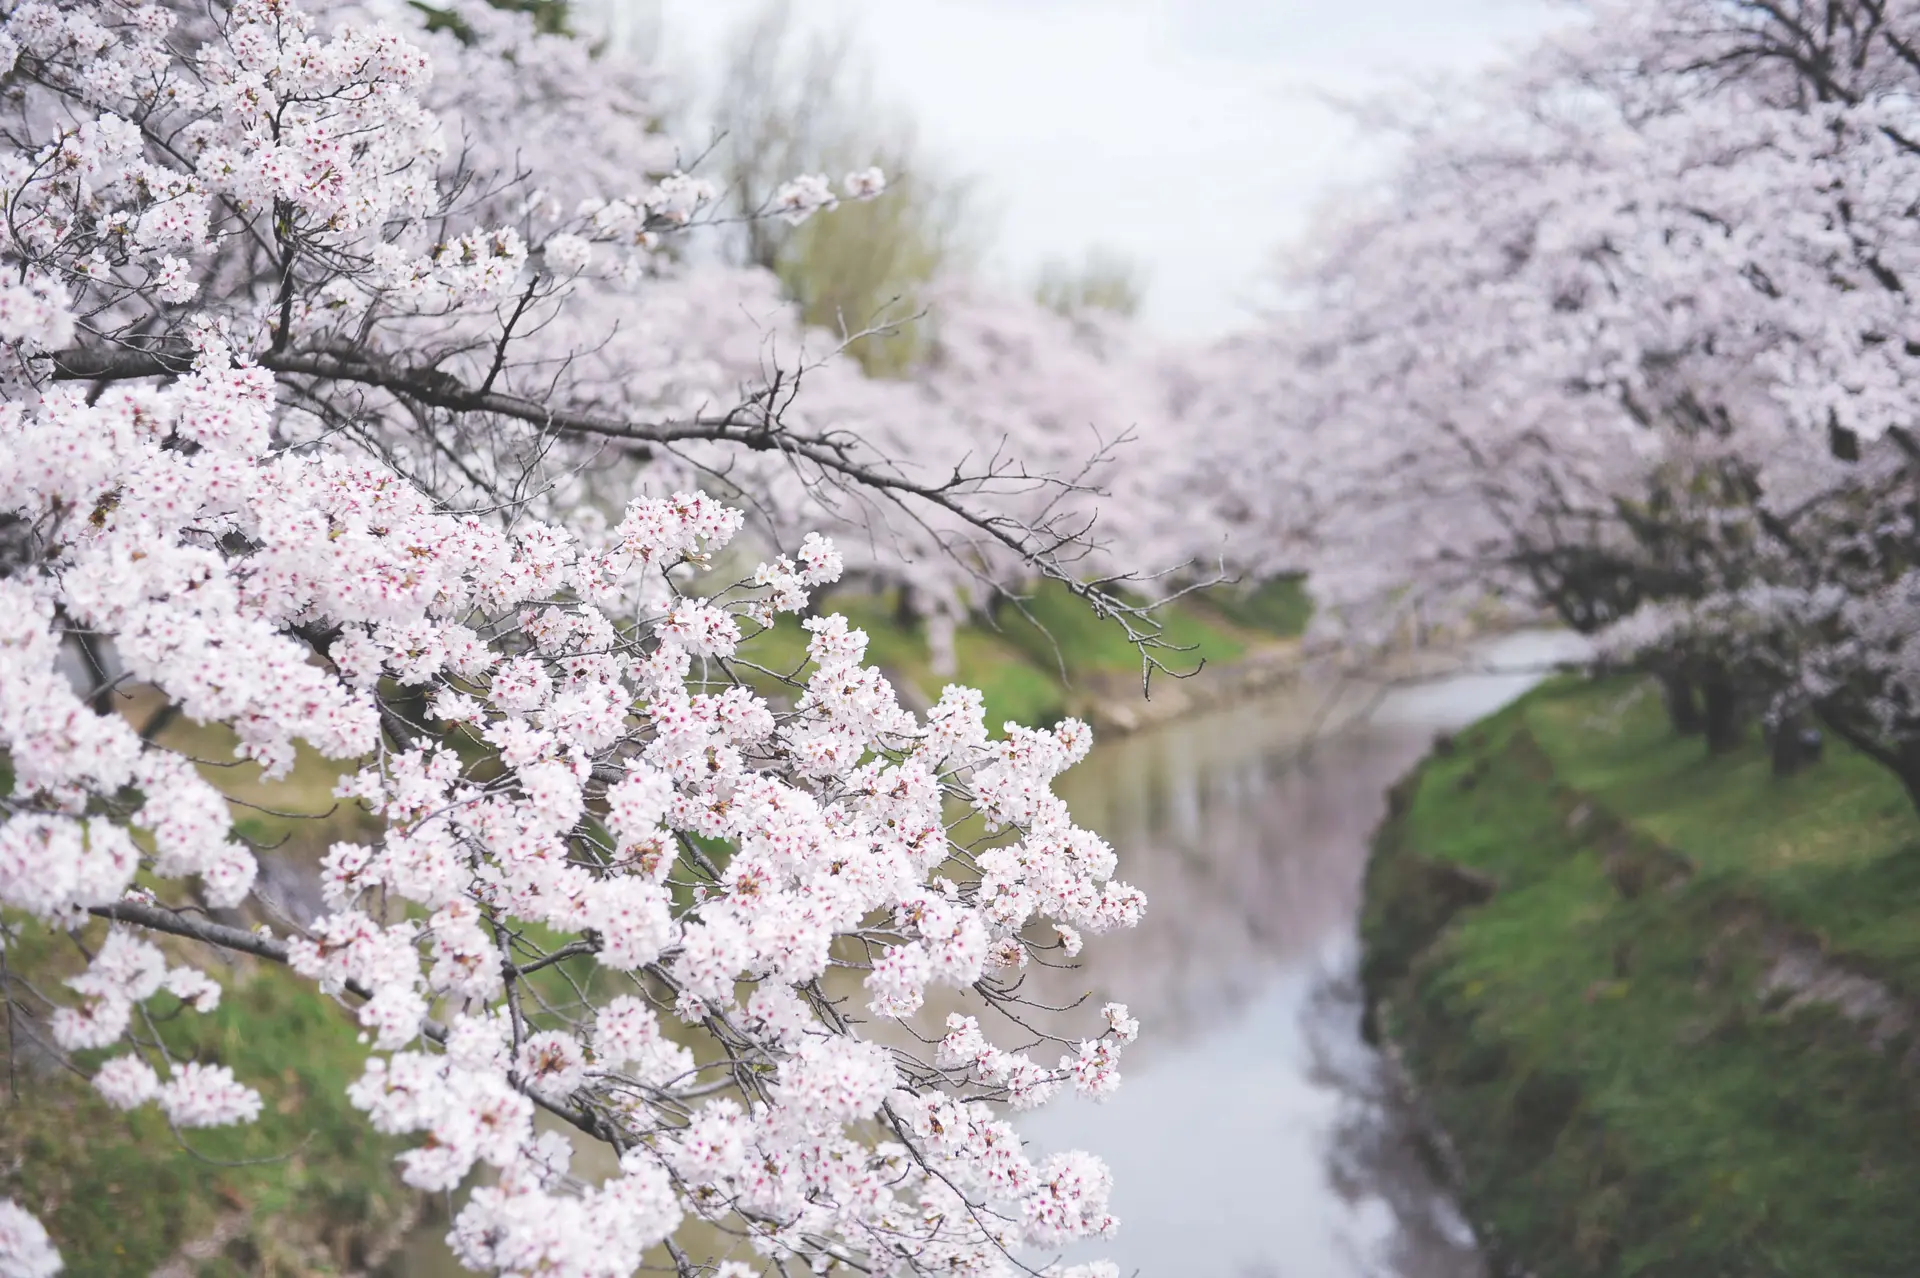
1191,135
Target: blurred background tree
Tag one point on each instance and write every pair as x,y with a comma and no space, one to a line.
550,17
1104,280
798,99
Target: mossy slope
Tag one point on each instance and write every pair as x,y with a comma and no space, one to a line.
1571,920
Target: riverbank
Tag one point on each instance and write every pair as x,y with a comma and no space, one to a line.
1051,657
1662,1006
308,1188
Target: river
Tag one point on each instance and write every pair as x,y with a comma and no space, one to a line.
1256,1134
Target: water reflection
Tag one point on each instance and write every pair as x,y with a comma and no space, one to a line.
1257,1135
1402,1224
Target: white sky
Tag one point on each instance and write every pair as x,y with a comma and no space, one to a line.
1191,135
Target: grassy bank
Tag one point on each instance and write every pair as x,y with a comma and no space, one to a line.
307,1189
1659,1002
1039,665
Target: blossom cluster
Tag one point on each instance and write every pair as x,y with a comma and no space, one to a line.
239,505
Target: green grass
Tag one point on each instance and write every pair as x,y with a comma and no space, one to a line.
1034,666
1014,687
119,1192
1828,851
1623,1098
1280,606
1055,629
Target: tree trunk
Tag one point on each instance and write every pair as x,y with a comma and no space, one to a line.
1906,766
1909,774
907,614
1902,758
1683,708
1794,745
1722,714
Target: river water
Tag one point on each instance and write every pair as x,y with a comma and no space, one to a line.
1256,1134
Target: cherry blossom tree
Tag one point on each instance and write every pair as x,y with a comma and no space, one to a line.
1627,336
356,398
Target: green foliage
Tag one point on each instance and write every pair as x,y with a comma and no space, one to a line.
794,101
1278,606
1103,281
1031,668
1594,1034
864,270
1058,631
1013,686
307,1189
551,17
